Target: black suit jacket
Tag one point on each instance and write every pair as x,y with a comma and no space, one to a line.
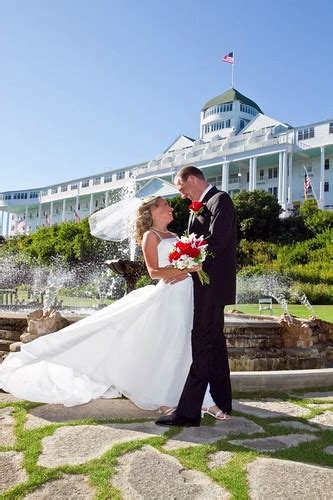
218,225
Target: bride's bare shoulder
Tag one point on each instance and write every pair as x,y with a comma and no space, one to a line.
150,237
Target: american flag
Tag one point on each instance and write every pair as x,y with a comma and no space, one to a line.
21,226
307,184
229,58
77,217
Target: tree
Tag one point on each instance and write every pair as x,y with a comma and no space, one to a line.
180,214
258,215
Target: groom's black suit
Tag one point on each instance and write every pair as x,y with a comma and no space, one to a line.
209,353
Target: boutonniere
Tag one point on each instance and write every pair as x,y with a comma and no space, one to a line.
196,208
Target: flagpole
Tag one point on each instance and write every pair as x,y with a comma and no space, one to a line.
232,72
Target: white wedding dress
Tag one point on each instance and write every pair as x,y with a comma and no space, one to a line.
139,347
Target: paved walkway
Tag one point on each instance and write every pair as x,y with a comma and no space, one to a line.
274,448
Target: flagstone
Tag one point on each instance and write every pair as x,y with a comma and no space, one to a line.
219,459
270,408
98,409
281,479
7,436
69,487
150,475
273,443
295,425
79,444
324,420
194,436
12,472
7,398
324,396
321,406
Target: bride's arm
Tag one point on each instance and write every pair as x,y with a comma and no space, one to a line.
150,242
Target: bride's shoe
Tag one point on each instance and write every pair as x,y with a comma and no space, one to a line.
167,410
219,414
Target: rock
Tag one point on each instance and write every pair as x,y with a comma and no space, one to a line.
15,346
296,333
324,396
98,409
295,425
7,437
79,444
7,398
42,323
219,459
329,450
324,420
270,408
194,436
273,443
281,479
69,487
11,469
150,475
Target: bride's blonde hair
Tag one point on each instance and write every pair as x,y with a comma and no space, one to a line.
144,220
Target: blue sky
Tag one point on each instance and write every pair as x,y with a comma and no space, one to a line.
88,86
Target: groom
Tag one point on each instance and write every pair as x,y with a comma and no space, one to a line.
215,219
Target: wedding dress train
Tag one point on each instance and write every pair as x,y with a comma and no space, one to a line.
139,347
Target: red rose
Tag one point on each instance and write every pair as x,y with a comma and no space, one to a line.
193,252
174,256
182,247
196,207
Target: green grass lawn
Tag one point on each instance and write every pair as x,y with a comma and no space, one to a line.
322,312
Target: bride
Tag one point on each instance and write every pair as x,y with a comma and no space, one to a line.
139,346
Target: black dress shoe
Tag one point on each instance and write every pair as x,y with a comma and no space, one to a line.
177,420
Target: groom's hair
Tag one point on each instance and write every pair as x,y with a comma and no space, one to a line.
185,172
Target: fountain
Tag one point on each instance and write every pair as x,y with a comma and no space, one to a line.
255,343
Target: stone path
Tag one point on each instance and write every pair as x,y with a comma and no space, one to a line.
143,461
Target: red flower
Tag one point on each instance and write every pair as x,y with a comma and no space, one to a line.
174,256
193,252
182,247
201,243
196,207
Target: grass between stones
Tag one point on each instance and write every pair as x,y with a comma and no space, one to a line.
232,476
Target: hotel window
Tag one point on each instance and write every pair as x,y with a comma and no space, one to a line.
96,203
96,181
261,175
108,178
247,176
306,133
44,192
327,164
330,129
73,186
233,178
8,197
227,123
120,175
57,210
64,188
326,186
54,190
85,183
242,124
273,191
247,109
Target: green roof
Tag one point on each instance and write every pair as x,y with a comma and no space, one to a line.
230,96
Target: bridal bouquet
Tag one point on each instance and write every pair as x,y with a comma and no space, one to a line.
188,252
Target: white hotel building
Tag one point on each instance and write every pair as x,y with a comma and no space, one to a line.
239,148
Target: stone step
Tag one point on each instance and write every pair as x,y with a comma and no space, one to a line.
16,324
12,335
5,345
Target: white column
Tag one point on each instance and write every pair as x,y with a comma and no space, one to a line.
39,218
250,175
91,205
77,201
8,224
290,180
280,177
254,173
106,198
63,213
51,213
26,213
321,201
284,177
225,176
